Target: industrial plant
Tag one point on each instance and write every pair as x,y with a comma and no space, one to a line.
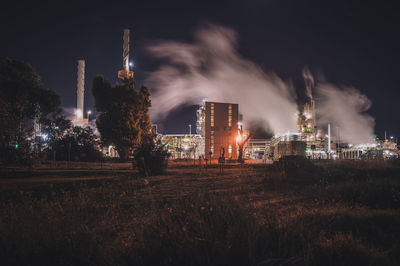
219,132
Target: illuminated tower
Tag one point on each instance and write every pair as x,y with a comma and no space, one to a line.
306,123
80,91
125,73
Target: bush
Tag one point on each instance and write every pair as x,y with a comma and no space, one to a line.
297,168
151,158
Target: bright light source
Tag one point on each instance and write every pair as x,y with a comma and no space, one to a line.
45,136
79,113
89,112
238,138
391,137
131,64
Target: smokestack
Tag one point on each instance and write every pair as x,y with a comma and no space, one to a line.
329,140
80,89
125,73
125,53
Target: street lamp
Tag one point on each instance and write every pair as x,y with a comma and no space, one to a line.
88,114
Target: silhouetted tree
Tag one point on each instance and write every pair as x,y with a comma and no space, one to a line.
22,99
150,157
66,142
241,142
123,118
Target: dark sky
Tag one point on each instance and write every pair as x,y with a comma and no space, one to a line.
353,42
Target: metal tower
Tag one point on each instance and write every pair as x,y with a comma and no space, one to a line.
125,73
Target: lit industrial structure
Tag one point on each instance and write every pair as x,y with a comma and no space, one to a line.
217,131
255,148
80,95
125,73
221,129
217,135
182,146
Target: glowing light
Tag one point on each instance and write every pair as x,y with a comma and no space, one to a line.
89,112
79,113
45,136
238,138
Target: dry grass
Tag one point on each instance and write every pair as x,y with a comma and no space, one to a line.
332,214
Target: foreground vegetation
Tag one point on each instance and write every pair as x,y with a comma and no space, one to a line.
289,213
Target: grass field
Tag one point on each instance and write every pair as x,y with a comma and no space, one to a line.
295,213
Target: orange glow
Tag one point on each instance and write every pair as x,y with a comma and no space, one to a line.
238,138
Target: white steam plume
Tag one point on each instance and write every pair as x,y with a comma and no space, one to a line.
309,81
345,108
212,68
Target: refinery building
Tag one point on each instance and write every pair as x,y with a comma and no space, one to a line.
218,131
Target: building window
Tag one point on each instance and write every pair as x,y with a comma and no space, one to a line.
230,151
212,115
230,115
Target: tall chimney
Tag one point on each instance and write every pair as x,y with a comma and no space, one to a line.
125,53
80,89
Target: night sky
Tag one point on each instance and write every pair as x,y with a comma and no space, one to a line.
352,42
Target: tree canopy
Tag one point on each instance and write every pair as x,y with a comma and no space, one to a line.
66,142
123,118
22,98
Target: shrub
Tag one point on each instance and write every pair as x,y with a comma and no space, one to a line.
151,158
297,168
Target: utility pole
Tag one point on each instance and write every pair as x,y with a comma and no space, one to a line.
88,115
329,140
338,140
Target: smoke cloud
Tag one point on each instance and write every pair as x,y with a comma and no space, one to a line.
309,81
345,108
211,68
